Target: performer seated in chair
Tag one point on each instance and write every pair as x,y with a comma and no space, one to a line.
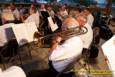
66,53
87,38
81,21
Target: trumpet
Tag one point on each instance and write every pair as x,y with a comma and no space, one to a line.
64,34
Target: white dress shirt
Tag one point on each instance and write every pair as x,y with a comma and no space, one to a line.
13,71
88,37
90,19
51,13
43,9
66,53
16,14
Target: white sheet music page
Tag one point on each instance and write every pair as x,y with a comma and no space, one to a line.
52,25
109,51
21,33
24,32
31,29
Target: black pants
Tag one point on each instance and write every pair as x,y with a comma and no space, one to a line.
85,51
91,53
54,73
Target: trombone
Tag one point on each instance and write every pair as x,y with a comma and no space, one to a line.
64,34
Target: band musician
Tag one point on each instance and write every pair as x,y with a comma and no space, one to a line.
69,51
62,55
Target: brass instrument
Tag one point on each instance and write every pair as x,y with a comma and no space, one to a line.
64,34
73,32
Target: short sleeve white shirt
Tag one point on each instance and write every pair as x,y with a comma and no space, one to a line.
66,53
88,37
90,19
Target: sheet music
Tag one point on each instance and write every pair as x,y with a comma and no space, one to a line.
24,32
52,25
6,33
109,51
31,29
20,33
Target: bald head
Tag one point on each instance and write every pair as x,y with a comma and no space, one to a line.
70,22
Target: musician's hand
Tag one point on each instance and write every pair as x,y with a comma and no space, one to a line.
55,43
58,39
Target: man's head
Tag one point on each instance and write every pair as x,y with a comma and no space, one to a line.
74,12
70,22
81,19
63,7
42,6
86,11
49,7
12,5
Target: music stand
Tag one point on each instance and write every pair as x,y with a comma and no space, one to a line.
24,34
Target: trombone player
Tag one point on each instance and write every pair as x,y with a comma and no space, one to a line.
62,55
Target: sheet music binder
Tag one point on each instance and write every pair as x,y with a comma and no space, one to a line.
52,25
24,32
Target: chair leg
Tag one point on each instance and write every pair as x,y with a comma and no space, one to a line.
3,62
